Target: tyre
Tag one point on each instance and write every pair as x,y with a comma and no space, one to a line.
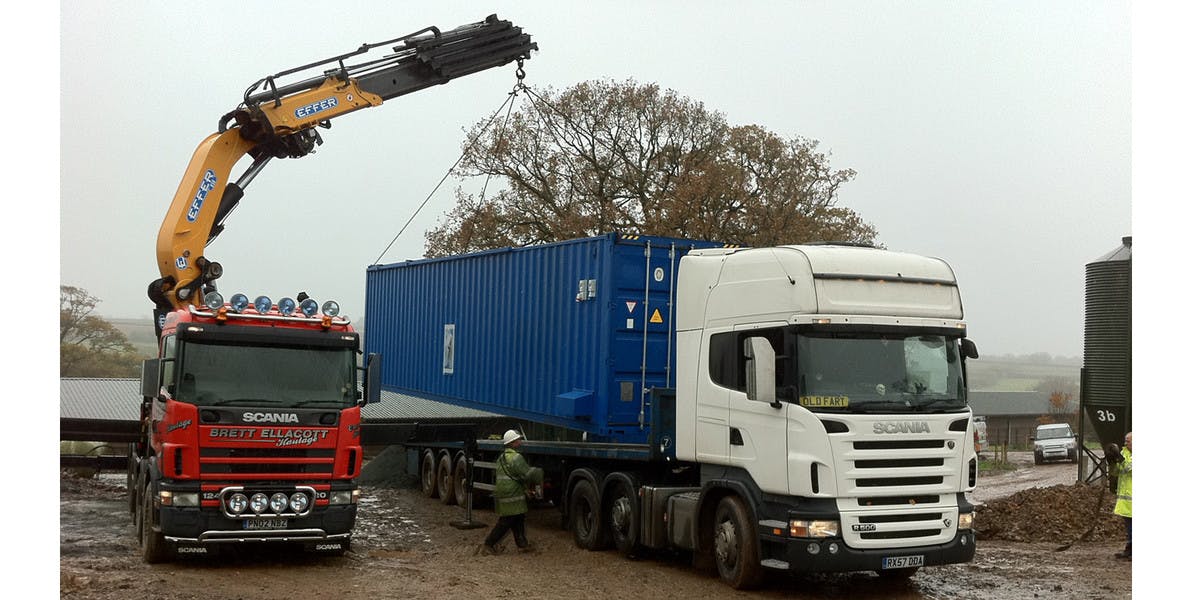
735,545
429,474
624,516
154,547
445,479
1037,458
587,518
461,491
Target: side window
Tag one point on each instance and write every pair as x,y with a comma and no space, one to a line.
168,362
727,364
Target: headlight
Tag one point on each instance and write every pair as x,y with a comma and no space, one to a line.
812,529
309,307
238,303
287,306
262,304
168,498
214,300
258,503
330,308
299,502
279,502
344,497
966,520
237,503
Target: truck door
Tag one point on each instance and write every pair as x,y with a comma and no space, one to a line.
758,430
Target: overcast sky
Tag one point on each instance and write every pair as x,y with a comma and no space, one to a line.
995,135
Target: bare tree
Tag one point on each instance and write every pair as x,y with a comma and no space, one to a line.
605,156
88,345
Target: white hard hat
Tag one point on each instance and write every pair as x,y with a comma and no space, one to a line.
511,436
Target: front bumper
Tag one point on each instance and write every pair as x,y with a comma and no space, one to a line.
191,525
833,555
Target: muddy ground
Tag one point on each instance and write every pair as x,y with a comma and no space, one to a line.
407,547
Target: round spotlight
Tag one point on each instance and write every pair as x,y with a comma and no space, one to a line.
214,300
813,548
258,503
279,502
239,302
287,306
299,502
833,548
309,307
262,304
237,503
330,308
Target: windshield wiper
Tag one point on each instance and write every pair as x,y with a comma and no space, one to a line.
944,404
308,402
880,406
240,401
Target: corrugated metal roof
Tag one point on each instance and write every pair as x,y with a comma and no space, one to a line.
101,399
1011,403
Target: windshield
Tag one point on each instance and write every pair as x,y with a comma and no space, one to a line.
1054,433
880,373
279,377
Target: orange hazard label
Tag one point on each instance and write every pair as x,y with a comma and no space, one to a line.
656,317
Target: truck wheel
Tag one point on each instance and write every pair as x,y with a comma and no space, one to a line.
428,474
587,518
445,479
461,491
735,545
154,547
624,517
1037,458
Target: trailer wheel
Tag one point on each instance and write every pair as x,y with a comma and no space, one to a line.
445,479
428,474
461,492
154,547
587,519
735,546
624,516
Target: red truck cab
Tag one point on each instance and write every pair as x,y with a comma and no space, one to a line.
251,429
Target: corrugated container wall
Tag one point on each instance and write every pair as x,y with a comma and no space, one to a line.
554,333
1107,375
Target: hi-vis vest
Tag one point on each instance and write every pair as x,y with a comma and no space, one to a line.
511,470
1124,471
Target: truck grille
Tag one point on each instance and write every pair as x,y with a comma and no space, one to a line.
899,490
242,464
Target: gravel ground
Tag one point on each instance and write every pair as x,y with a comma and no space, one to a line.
407,547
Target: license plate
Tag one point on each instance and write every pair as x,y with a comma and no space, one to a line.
903,562
264,524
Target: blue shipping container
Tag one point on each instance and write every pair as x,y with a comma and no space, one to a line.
570,334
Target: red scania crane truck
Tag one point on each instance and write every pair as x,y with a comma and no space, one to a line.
250,414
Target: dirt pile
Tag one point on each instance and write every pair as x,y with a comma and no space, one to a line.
1060,513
